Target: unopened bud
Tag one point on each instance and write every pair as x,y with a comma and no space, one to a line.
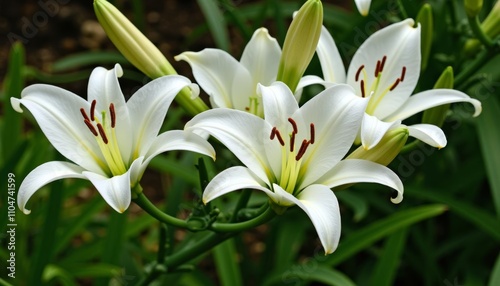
437,115
424,18
490,27
386,150
473,7
300,43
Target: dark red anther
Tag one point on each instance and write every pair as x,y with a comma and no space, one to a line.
92,109
102,133
403,72
395,84
382,64
377,69
273,133
292,141
84,114
359,71
362,89
276,133
312,133
112,115
302,150
91,127
247,108
294,125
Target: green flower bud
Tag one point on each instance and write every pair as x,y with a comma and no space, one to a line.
473,7
140,51
386,150
300,43
424,17
437,115
490,26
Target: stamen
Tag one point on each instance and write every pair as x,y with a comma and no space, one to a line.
247,108
382,64
362,88
92,109
273,133
359,71
112,114
292,141
302,150
312,133
395,84
403,72
84,114
377,69
91,127
294,125
102,133
278,135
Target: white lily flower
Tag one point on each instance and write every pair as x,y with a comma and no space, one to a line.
231,83
294,154
109,140
385,69
363,6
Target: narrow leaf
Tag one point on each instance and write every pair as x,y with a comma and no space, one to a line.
225,256
387,265
216,23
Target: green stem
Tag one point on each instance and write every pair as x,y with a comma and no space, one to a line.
478,31
151,209
402,9
264,216
470,69
242,202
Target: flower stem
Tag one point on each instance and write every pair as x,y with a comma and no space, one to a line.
470,69
264,216
478,31
151,209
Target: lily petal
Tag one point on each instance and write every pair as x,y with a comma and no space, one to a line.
432,98
279,104
148,108
400,44
105,89
215,71
363,6
42,175
232,179
373,129
351,171
57,111
115,190
241,132
331,63
429,134
307,81
261,57
336,114
321,206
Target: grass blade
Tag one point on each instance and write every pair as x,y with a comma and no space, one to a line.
216,23
225,256
387,265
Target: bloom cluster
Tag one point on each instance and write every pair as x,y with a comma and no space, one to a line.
293,151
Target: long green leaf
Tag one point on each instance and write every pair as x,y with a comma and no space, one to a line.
216,23
489,138
387,264
314,272
88,59
225,256
482,219
113,242
365,237
495,274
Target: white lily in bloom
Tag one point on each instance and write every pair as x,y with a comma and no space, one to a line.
109,140
231,83
363,6
385,69
294,154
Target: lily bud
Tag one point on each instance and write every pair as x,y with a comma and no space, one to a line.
424,18
490,26
437,115
385,151
140,51
300,43
473,7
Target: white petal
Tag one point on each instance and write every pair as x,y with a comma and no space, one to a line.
432,98
215,71
321,205
351,171
429,134
57,111
261,57
241,132
115,190
329,57
363,6
148,107
373,129
400,42
279,104
336,114
42,175
307,81
177,140
232,179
